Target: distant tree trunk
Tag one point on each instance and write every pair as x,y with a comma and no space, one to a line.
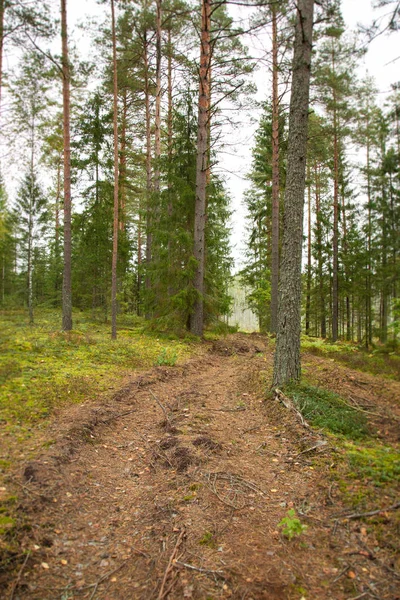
275,176
67,289
308,298
287,365
319,254
197,316
346,270
116,178
170,148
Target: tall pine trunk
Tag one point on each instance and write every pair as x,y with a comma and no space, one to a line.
149,220
335,241
287,366
2,10
116,178
197,316
67,288
275,176
157,128
308,298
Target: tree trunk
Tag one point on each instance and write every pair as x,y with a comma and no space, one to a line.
116,179
2,10
287,365
335,241
308,298
67,291
275,176
319,257
157,128
197,316
122,162
149,237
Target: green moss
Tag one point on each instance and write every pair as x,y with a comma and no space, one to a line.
207,540
328,411
6,524
377,464
42,367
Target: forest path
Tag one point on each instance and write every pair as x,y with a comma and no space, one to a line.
174,489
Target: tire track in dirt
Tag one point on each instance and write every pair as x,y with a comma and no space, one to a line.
185,506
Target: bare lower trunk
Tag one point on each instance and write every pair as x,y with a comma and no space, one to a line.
287,365
116,177
122,163
275,177
319,256
308,299
67,290
197,316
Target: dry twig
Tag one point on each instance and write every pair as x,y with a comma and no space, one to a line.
287,403
371,513
162,407
18,578
163,592
199,569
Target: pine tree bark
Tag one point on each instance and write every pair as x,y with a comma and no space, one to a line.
287,366
116,180
197,316
275,176
319,254
67,287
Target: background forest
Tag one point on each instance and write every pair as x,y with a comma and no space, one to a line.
145,146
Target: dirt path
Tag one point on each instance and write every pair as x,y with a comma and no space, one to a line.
174,489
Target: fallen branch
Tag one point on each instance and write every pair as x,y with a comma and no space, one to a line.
372,512
128,412
237,409
319,444
199,569
162,407
287,403
163,592
18,578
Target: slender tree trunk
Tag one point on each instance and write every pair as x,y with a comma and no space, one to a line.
122,162
275,176
2,11
157,128
149,220
287,366
308,298
319,257
116,180
368,316
197,316
335,242
170,151
67,288
346,270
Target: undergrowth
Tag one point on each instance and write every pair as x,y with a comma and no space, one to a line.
328,411
381,360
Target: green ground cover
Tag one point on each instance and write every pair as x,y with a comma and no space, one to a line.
42,367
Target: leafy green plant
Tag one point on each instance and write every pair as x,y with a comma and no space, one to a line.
291,525
166,358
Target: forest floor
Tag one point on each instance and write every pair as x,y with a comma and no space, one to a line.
175,486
